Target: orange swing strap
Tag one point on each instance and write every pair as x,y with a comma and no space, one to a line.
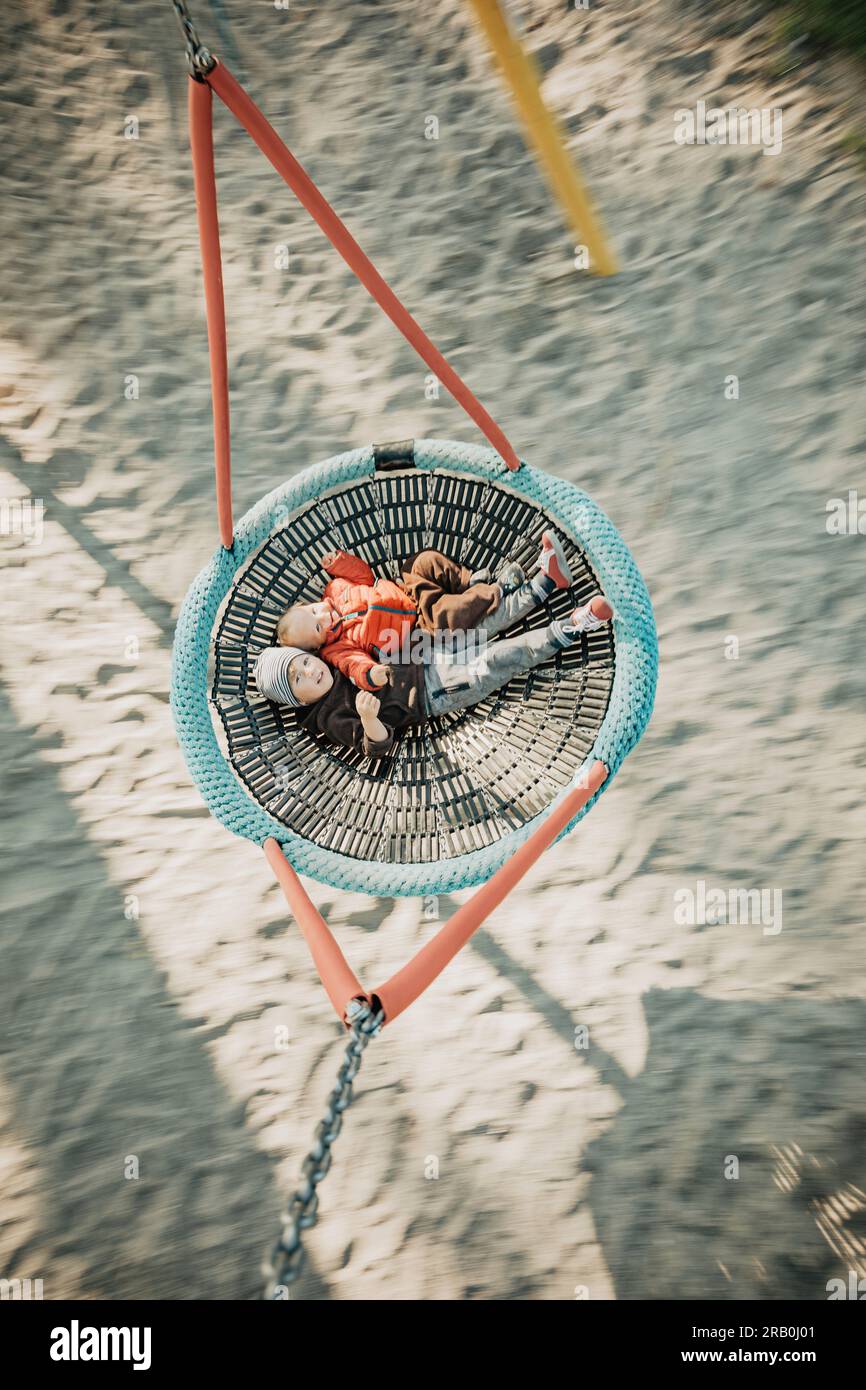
220,80
404,987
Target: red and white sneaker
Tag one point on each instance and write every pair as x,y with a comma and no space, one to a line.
593,615
552,561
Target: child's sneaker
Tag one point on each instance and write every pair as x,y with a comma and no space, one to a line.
590,617
552,561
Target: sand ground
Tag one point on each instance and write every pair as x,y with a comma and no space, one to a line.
147,956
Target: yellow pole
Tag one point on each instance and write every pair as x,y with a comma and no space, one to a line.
521,74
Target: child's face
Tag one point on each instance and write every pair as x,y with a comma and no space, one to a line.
310,679
310,626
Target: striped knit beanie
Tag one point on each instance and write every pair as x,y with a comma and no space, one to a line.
272,674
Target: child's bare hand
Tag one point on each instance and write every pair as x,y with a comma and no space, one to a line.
367,705
380,674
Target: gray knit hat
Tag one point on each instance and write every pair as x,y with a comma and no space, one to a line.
272,674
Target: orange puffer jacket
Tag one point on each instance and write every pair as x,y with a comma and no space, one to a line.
364,608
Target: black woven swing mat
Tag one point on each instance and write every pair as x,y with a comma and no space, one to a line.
457,783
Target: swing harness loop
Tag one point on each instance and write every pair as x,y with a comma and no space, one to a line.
287,1256
199,59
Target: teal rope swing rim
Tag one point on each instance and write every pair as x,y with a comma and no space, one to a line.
627,715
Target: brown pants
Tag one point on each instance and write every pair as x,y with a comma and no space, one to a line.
443,595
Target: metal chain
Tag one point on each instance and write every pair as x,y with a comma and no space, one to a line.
199,59
287,1256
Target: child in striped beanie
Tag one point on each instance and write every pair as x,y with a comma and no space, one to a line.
290,676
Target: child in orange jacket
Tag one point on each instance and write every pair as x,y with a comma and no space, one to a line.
357,611
345,626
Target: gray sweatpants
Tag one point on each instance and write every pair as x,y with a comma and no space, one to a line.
453,682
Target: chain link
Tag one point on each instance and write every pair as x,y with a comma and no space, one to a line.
199,59
287,1256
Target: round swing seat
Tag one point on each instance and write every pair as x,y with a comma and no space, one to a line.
456,796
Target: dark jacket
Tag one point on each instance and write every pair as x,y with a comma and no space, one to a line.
402,703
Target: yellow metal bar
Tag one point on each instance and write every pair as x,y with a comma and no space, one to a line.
521,74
